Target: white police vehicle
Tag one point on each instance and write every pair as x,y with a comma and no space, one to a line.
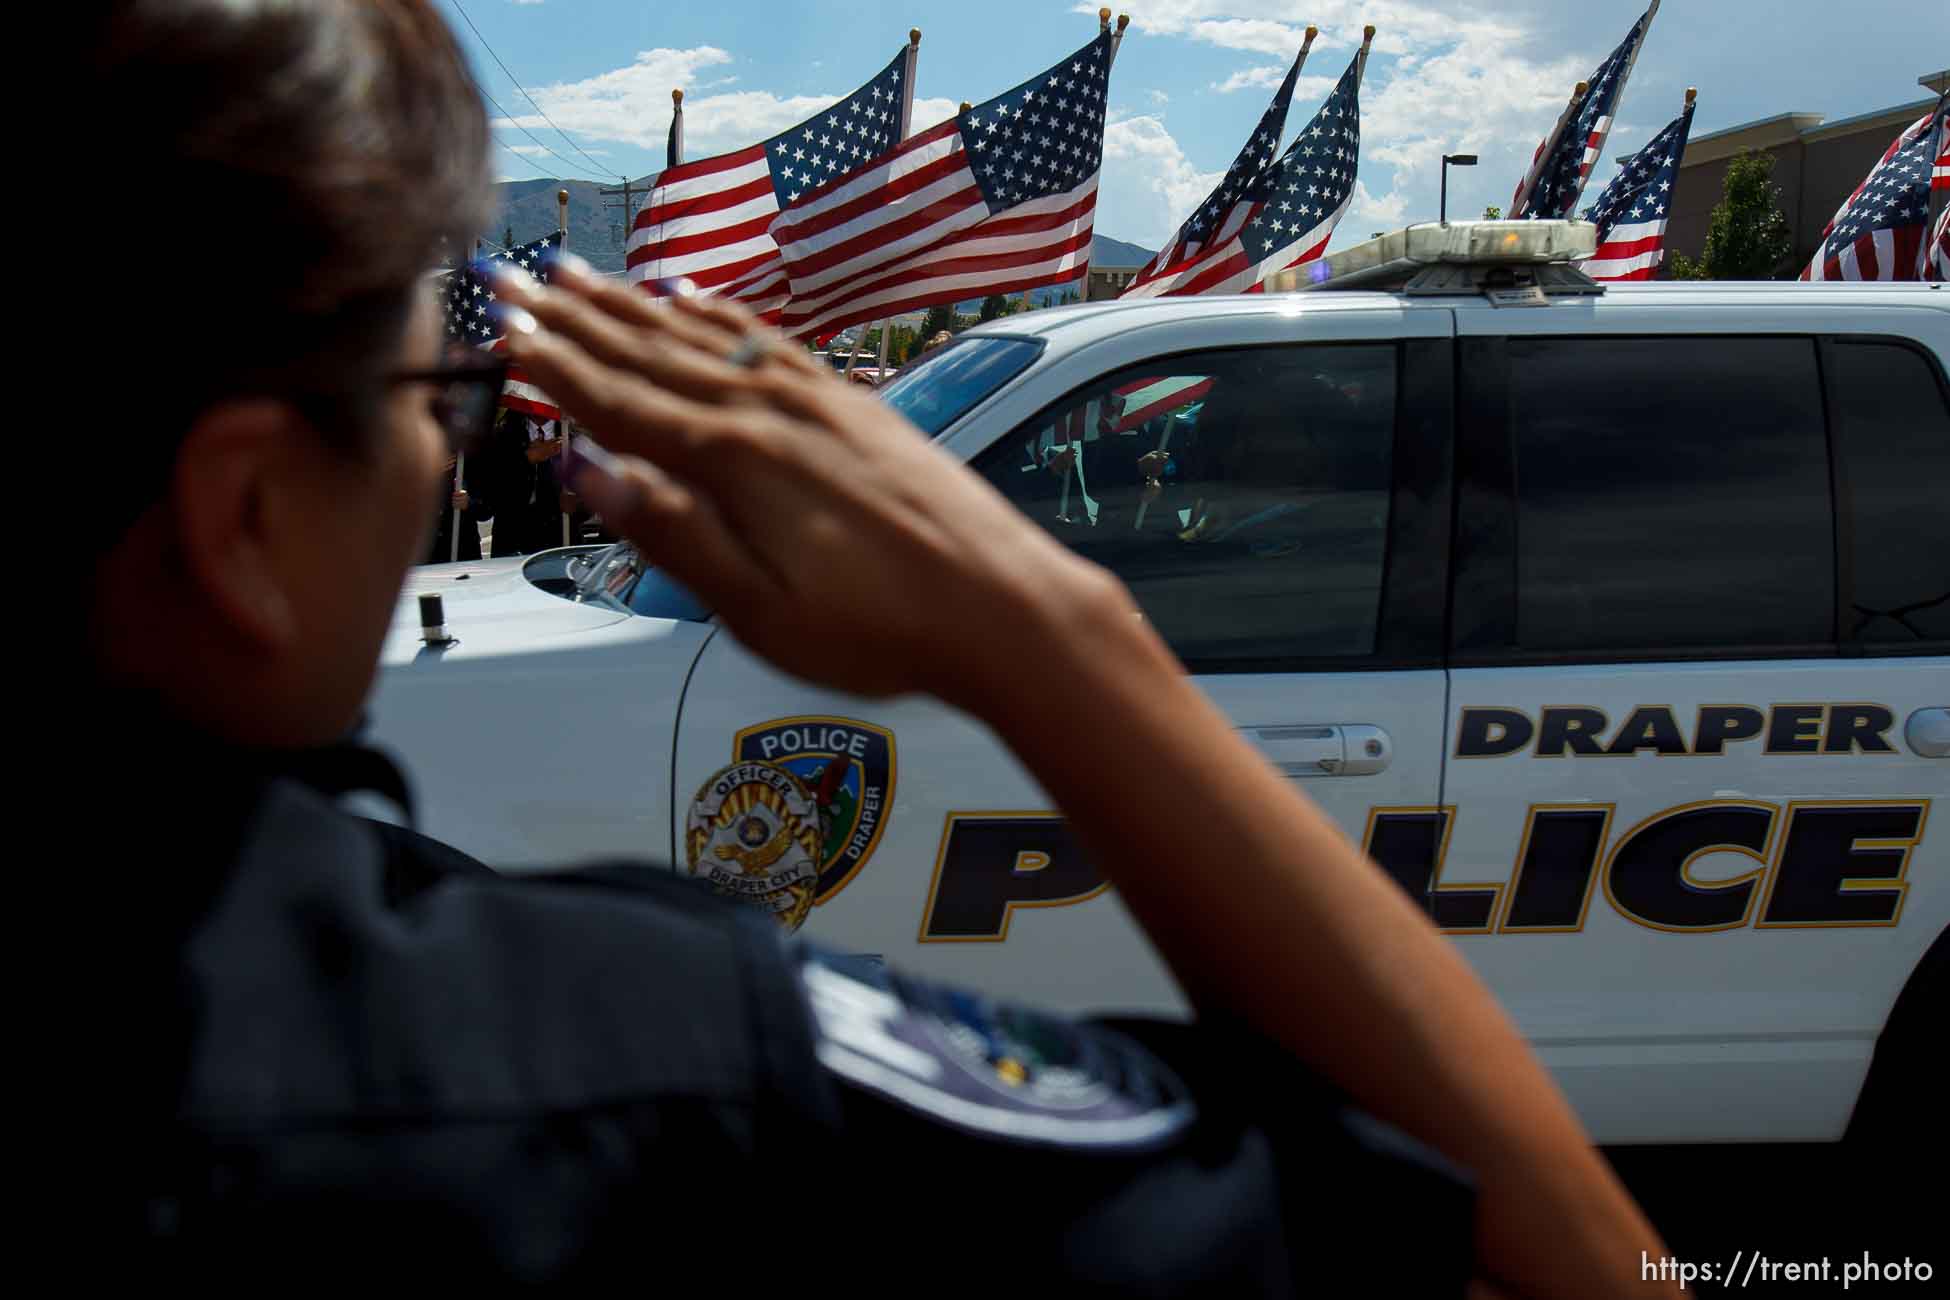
1615,625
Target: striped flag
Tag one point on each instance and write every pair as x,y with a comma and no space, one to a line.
1558,171
996,199
1878,232
1232,201
467,298
1147,398
708,220
1287,212
1631,213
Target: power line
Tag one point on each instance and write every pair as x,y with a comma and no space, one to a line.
525,131
524,93
525,158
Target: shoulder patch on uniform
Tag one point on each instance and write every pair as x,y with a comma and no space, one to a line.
987,1067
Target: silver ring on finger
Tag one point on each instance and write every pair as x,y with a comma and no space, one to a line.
751,349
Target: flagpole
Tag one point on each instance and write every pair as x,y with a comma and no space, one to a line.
460,464
674,148
1617,101
1545,150
561,476
907,122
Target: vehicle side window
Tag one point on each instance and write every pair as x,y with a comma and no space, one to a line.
1672,494
1242,495
1892,435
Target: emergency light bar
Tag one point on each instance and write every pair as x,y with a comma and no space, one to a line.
1459,257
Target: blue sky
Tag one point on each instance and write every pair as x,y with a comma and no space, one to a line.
1482,76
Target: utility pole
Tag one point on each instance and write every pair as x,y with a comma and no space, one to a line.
626,190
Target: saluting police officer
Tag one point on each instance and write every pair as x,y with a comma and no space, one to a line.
346,1052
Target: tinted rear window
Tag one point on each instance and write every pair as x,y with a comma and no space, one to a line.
1672,494
1892,434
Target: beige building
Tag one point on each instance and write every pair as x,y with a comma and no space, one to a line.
1817,165
1109,281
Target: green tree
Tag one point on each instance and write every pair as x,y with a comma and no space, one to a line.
939,318
992,306
1492,213
1747,237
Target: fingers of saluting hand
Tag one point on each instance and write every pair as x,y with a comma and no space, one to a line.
695,366
686,535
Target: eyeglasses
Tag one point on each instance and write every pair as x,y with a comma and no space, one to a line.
467,392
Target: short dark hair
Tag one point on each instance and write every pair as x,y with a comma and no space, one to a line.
293,169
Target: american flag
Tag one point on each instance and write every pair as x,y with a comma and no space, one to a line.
1878,233
1555,182
1288,211
996,199
468,296
708,220
1631,213
1936,258
1231,202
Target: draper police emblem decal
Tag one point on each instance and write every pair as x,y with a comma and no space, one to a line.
754,834
848,768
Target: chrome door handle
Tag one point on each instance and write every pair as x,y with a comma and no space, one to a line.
1306,750
1928,733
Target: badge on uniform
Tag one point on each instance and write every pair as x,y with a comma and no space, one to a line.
990,1068
842,770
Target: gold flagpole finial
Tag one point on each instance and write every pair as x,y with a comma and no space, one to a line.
1581,88
1692,93
1312,31
1103,16
1367,34
965,106
1123,21
676,97
914,36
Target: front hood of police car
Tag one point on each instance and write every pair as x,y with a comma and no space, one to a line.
491,609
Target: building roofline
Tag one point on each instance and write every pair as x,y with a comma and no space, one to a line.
1794,128
1900,113
1764,133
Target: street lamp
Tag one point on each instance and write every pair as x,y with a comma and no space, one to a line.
1460,160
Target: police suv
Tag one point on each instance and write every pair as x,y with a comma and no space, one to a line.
1613,621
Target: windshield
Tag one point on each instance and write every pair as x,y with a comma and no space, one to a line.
940,388
614,577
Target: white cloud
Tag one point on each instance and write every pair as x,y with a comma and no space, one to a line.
927,112
1149,185
1268,75
1368,213
632,104
1445,76
1158,96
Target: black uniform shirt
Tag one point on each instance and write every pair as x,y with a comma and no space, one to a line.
370,1059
